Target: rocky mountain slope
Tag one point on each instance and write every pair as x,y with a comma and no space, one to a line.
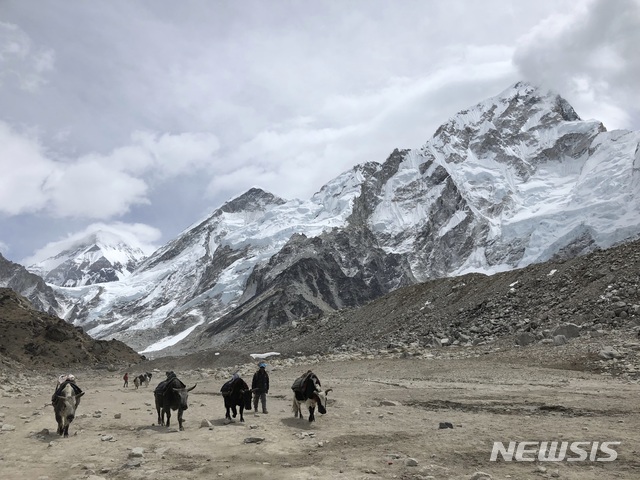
515,180
29,285
34,339
586,295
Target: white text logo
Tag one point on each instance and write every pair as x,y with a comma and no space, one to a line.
555,451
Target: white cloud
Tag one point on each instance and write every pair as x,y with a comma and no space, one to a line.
590,57
20,62
93,189
25,168
177,154
294,159
94,185
136,235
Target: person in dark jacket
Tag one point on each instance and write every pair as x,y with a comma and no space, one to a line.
126,380
260,387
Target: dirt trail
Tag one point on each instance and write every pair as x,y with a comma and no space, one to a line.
382,413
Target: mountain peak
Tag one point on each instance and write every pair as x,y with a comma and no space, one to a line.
251,200
516,112
530,93
522,89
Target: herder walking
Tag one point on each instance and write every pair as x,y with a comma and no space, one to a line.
260,387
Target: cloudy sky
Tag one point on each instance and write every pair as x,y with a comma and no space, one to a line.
143,116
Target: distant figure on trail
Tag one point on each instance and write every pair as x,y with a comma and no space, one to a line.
126,380
260,387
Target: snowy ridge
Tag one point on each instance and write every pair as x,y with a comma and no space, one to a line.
249,236
96,258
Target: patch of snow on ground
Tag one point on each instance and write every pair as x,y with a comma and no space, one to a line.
263,355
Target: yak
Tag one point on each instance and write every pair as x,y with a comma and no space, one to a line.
307,392
236,393
65,402
171,394
142,379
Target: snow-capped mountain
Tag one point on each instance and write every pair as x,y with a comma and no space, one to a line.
516,179
98,257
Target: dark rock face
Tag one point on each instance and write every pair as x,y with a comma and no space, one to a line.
252,200
542,301
71,274
39,294
222,258
311,276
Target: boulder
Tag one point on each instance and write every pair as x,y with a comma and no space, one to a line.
559,340
569,330
525,338
609,353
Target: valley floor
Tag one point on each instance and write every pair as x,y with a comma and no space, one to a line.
383,412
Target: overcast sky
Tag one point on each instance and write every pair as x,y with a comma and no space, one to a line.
142,117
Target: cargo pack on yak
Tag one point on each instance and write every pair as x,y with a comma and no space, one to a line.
307,391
